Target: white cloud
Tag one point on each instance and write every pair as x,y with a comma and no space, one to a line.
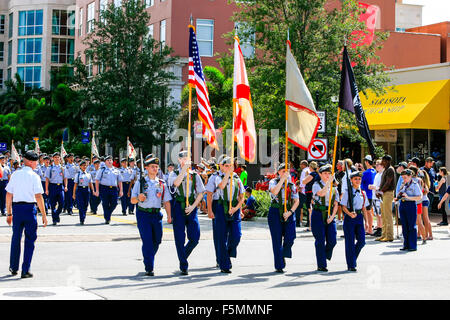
434,11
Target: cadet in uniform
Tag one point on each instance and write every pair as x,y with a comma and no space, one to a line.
107,180
127,176
228,219
23,192
54,177
3,182
43,170
82,185
94,200
323,226
409,195
212,199
70,170
149,199
282,224
185,219
354,220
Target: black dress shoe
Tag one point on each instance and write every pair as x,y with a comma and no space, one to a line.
26,275
225,271
13,272
403,249
279,270
322,269
149,273
352,269
107,222
124,213
412,249
442,223
94,213
184,272
54,223
82,223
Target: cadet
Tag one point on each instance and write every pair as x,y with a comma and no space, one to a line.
23,192
107,180
94,200
3,182
409,195
212,199
70,170
127,176
323,226
228,219
354,220
185,219
149,197
54,177
282,224
82,185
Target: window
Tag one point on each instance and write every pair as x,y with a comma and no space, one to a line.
9,52
162,36
29,50
63,50
30,22
10,23
89,66
63,23
247,39
2,24
205,37
103,7
80,24
149,3
90,17
2,50
150,31
31,76
8,74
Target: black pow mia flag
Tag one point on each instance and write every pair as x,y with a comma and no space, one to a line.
349,100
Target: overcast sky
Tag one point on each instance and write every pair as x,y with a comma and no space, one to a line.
434,11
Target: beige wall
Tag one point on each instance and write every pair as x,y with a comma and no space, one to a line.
408,16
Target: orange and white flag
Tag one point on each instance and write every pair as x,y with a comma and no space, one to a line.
14,154
302,122
244,123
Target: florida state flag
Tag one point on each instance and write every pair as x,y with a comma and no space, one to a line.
244,124
302,119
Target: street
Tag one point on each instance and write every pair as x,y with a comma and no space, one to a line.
98,261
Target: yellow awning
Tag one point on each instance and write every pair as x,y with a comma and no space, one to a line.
424,105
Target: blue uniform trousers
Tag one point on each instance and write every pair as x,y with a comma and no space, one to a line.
68,200
325,235
94,201
182,223
150,230
3,184
56,196
283,236
109,197
228,236
46,200
353,229
215,238
408,215
24,219
82,196
125,200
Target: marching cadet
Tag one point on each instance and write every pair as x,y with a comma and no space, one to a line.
82,185
409,195
107,180
212,199
6,174
354,220
127,176
323,226
23,192
228,219
185,219
136,174
70,169
91,166
149,197
282,224
43,170
54,178
94,200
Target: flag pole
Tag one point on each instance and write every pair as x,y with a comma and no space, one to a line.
128,143
93,137
232,136
286,142
189,129
334,159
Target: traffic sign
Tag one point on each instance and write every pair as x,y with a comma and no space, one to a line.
3,146
323,121
318,150
85,136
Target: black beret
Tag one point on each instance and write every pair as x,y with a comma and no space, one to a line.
151,161
356,174
31,155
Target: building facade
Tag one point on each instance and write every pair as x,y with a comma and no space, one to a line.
36,36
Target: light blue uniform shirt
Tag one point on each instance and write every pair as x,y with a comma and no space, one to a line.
43,170
6,173
70,170
273,183
399,184
316,188
199,187
358,199
412,189
154,190
83,178
108,176
211,185
126,174
55,174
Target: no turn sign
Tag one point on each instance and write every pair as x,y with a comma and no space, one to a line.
318,150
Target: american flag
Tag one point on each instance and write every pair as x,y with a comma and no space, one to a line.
197,80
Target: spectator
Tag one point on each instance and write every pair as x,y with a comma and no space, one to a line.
376,197
441,187
387,186
304,172
249,208
367,179
422,174
308,182
339,176
244,175
421,232
116,162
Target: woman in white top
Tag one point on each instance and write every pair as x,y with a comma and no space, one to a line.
376,200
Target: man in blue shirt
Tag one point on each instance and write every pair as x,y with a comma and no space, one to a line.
367,179
250,206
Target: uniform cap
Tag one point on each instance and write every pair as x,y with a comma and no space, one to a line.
171,165
31,155
403,164
356,174
407,172
151,161
226,160
2,156
96,161
149,156
281,166
415,160
183,154
130,160
108,158
56,154
46,158
325,168
82,162
429,159
219,160
123,160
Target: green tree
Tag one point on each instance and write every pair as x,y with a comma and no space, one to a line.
129,96
317,36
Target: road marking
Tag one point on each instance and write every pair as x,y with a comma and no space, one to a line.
44,293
